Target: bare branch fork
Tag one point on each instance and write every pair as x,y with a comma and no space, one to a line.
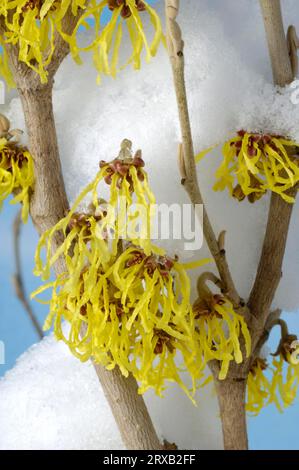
231,392
49,204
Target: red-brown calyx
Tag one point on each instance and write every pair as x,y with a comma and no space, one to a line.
125,8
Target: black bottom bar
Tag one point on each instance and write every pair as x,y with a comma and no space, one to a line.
135,459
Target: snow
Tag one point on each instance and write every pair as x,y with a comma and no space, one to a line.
50,400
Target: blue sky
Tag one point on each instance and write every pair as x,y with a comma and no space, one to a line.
270,430
15,328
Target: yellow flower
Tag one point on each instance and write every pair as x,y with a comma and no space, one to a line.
133,313
284,385
255,163
294,353
16,174
33,25
279,387
258,387
126,302
84,240
5,71
26,26
126,215
219,331
107,41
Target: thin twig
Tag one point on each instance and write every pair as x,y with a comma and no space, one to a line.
18,277
186,150
271,322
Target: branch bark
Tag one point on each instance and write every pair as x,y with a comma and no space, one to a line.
231,397
48,205
135,425
187,161
269,271
270,266
277,43
230,392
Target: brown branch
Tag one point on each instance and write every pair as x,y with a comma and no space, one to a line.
18,277
293,46
277,44
129,410
231,401
264,336
186,155
230,392
283,327
62,48
270,266
47,206
231,396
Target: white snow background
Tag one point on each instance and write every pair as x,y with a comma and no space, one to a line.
229,87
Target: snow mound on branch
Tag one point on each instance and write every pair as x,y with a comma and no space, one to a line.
230,87
50,400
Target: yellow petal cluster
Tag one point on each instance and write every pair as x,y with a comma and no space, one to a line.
34,24
5,71
220,330
258,387
126,215
275,384
16,174
133,313
255,163
127,304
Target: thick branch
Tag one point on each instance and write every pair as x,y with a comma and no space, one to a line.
61,46
231,397
135,425
187,161
49,202
270,266
48,205
61,50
